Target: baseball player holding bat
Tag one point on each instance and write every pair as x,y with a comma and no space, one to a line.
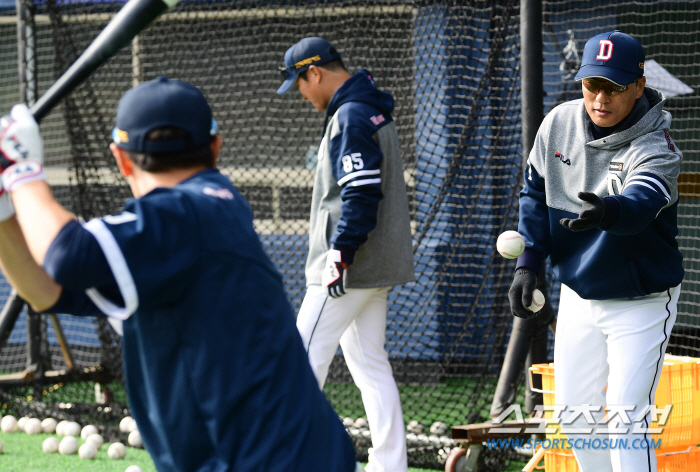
216,374
359,238
600,200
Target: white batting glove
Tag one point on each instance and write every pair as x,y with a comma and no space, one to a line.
333,276
20,143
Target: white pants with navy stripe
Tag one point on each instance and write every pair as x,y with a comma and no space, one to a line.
618,344
357,321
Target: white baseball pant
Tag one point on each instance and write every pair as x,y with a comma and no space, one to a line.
619,344
357,321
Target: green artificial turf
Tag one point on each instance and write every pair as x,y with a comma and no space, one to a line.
23,453
450,402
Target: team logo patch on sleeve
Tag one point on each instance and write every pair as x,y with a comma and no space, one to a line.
377,119
222,193
616,167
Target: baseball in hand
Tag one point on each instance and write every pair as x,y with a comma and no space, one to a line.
510,244
537,301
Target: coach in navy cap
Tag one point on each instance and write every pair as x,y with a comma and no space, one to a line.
600,201
298,58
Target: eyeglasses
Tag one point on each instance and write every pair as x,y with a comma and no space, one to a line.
610,88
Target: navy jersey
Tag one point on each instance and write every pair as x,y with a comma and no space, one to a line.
216,374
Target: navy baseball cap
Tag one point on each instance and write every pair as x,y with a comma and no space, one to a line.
163,103
614,56
305,53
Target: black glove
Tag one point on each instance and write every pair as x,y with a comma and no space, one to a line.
520,294
592,213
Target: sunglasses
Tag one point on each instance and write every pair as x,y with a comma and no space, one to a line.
610,88
288,72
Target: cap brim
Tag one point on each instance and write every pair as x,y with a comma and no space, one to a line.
618,76
286,85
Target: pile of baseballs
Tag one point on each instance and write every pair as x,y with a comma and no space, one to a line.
71,432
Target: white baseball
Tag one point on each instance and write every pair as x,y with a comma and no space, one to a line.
50,445
127,424
32,426
135,439
68,445
438,428
361,423
87,451
49,425
71,429
133,468
21,422
415,427
537,301
60,427
88,430
96,440
8,424
116,450
510,244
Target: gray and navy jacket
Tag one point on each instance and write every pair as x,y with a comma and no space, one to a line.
633,252
359,204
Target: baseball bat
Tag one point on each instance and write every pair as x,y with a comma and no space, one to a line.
133,18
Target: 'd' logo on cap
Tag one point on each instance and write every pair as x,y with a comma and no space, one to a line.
606,50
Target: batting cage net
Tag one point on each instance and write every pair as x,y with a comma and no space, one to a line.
453,69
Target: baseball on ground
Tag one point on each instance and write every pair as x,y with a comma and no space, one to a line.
50,445
96,440
8,424
87,451
134,468
135,439
116,450
510,244
68,445
88,430
49,425
21,422
32,426
415,427
537,301
438,428
60,427
71,429
127,424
